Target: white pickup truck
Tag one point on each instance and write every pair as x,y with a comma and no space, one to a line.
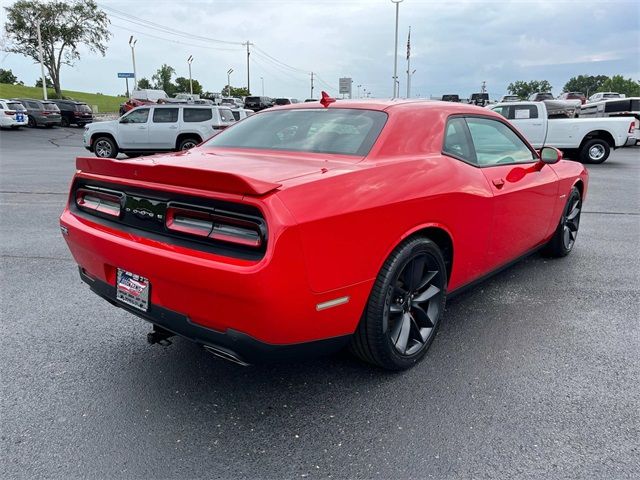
589,139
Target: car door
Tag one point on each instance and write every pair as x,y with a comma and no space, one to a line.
525,191
163,129
133,130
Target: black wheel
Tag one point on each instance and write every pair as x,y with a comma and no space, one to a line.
565,235
187,143
404,308
64,122
105,147
32,122
595,150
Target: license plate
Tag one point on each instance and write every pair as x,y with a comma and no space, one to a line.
19,117
132,289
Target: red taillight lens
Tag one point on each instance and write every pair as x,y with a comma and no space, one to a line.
632,127
214,226
93,201
10,112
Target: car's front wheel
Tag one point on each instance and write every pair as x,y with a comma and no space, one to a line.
566,233
105,147
404,308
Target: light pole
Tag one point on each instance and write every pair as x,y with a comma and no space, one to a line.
44,83
189,60
132,44
359,85
262,81
395,52
229,72
409,75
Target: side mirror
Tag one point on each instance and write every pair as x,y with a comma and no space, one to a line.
550,155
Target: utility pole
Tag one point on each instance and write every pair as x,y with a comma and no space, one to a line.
358,86
132,44
311,85
248,44
262,81
44,83
189,60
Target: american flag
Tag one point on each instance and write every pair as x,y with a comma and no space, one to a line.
409,44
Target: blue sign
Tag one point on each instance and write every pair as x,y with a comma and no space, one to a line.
125,75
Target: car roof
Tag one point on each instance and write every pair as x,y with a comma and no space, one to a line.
389,104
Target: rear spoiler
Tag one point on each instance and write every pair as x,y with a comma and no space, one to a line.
182,176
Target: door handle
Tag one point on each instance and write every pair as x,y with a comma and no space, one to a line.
536,124
141,128
498,182
173,127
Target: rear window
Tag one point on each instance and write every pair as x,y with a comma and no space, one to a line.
15,106
197,114
227,115
282,101
83,107
339,131
252,100
51,107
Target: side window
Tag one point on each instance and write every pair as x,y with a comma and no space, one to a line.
495,143
191,115
504,110
456,140
226,115
165,115
138,116
521,112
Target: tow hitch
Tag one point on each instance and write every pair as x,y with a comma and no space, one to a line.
160,336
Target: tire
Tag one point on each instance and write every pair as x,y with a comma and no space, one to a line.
564,238
64,122
403,312
32,122
105,147
187,143
132,154
595,150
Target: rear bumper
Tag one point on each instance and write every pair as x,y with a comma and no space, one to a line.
238,345
631,140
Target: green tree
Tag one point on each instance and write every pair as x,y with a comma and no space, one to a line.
7,76
235,92
587,84
66,26
144,84
182,86
523,89
162,79
46,79
617,83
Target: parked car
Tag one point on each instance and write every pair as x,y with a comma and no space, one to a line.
451,97
257,103
41,112
241,113
480,99
12,114
74,113
541,96
510,98
311,100
598,97
285,101
573,96
232,102
303,229
615,107
156,128
149,94
591,139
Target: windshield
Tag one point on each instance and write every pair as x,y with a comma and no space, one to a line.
339,131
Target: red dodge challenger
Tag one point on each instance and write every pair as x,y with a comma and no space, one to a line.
306,228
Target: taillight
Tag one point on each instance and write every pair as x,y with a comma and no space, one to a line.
46,112
214,225
10,112
103,202
632,127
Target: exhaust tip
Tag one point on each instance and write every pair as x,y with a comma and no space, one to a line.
225,355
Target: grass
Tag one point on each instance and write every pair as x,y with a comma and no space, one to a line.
104,103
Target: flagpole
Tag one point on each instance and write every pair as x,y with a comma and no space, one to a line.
409,64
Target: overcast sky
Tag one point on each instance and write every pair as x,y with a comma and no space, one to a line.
455,45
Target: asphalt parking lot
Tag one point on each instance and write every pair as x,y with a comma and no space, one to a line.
534,374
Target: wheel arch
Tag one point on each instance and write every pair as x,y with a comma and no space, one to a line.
579,184
601,134
97,135
437,233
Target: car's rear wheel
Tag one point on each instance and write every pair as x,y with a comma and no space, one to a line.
32,122
404,308
187,143
565,235
105,147
64,122
595,150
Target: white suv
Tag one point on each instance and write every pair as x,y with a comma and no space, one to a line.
13,114
156,128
